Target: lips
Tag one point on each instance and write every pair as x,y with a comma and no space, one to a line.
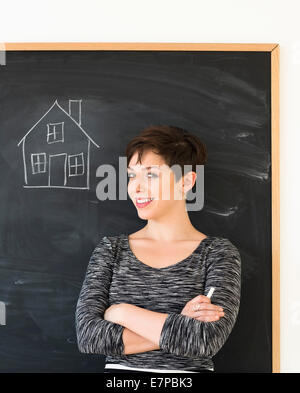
143,202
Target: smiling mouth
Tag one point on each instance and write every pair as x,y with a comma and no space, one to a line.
143,202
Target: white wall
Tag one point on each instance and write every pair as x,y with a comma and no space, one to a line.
238,21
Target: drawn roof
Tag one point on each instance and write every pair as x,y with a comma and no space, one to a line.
56,103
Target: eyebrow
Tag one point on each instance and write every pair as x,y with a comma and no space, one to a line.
147,167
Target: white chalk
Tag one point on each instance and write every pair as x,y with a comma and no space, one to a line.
211,291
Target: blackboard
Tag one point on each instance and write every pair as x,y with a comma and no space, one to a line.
49,225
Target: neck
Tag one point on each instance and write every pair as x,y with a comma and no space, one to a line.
175,225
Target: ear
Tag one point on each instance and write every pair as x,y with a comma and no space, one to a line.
188,181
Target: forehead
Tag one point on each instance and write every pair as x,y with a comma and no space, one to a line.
149,159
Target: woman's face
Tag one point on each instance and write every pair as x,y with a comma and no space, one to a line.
154,179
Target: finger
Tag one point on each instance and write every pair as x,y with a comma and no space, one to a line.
207,319
209,314
206,306
201,298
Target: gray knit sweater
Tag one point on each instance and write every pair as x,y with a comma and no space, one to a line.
114,275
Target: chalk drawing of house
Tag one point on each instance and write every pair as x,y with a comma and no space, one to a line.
56,150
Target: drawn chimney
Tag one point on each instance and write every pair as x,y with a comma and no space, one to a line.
75,110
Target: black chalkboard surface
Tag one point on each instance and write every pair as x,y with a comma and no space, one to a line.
51,219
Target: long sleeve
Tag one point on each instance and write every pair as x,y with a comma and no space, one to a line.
186,336
95,334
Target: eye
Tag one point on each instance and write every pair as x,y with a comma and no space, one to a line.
149,174
152,175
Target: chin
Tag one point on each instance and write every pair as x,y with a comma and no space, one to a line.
145,214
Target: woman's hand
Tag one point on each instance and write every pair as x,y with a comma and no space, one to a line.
201,309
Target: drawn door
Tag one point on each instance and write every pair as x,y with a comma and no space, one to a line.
57,170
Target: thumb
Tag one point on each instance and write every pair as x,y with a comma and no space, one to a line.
201,299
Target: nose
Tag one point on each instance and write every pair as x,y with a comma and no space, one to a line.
138,184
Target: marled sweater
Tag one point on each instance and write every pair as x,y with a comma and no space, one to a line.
114,275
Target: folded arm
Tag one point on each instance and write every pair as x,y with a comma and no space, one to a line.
134,343
141,321
94,333
185,336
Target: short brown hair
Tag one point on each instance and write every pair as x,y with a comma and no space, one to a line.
176,145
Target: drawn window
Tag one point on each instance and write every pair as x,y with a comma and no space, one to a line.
38,163
76,165
55,132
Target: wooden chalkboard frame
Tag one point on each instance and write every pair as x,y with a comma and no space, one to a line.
273,49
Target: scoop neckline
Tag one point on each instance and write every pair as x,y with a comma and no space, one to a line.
174,265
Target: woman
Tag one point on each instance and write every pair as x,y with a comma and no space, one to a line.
143,302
